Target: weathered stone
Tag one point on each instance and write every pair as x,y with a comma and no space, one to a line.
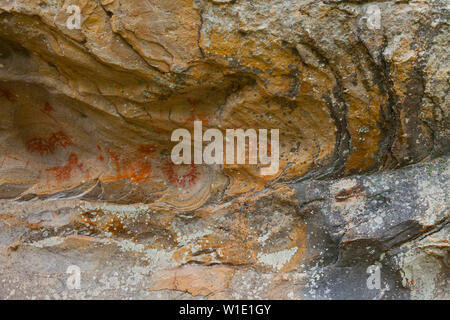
86,178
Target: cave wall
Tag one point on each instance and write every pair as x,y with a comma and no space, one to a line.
86,177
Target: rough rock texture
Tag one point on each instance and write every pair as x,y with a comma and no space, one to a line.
86,179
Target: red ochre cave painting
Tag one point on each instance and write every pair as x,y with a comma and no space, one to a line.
64,173
47,110
100,157
193,102
8,95
147,149
181,175
13,158
194,115
136,168
48,146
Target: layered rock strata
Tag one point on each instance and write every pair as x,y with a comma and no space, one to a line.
357,89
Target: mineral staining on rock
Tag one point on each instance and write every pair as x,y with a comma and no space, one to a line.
86,178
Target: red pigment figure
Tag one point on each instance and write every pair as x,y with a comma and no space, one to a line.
137,170
61,139
180,180
100,157
63,173
200,116
8,95
47,110
88,174
193,116
147,149
7,156
193,102
48,146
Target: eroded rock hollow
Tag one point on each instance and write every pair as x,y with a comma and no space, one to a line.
357,89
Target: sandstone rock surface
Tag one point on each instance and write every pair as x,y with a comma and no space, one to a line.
86,179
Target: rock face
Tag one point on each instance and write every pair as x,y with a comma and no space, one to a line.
357,89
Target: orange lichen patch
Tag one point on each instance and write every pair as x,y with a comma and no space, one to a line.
196,280
92,220
136,169
8,95
181,175
343,195
365,152
363,126
64,173
48,146
99,222
114,225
